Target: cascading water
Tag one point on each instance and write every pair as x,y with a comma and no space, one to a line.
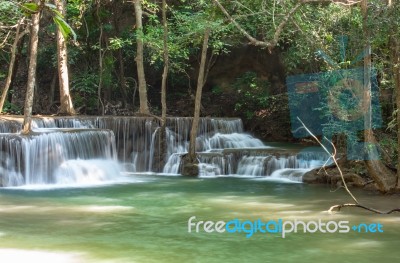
48,156
66,156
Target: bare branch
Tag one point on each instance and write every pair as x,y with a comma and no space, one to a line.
254,41
2,44
9,27
283,23
274,41
333,156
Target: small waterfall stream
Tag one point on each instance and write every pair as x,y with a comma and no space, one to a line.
67,150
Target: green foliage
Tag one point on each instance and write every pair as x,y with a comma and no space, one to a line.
118,43
390,147
252,94
76,10
108,69
30,7
85,83
47,57
217,90
11,108
84,90
313,27
186,26
65,29
10,13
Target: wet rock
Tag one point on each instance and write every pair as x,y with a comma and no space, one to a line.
313,177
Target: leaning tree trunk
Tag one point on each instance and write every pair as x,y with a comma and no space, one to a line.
163,131
66,107
383,177
144,108
100,104
11,67
166,65
190,163
30,87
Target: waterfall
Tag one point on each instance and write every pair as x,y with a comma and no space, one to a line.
44,157
64,150
252,165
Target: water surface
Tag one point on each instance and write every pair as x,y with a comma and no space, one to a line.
145,220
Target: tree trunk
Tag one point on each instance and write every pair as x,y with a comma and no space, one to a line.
396,69
11,67
100,104
66,106
163,132
395,44
144,108
30,87
166,65
190,167
119,54
382,176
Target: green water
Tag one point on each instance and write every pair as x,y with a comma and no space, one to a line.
146,221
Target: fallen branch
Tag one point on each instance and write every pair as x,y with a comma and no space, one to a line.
338,207
333,157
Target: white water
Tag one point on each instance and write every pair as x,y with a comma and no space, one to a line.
86,172
82,152
291,174
57,156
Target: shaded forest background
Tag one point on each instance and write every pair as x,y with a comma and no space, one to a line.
253,46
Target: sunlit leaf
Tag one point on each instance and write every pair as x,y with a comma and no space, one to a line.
65,29
55,11
31,7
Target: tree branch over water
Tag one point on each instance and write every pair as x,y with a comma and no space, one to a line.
333,157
